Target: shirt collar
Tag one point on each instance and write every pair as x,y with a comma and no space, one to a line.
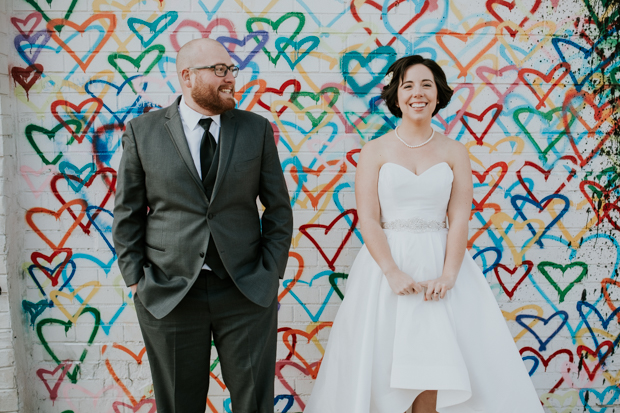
191,117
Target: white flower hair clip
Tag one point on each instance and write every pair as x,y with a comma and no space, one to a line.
388,78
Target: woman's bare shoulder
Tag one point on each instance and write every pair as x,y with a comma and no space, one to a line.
377,143
449,142
455,150
376,149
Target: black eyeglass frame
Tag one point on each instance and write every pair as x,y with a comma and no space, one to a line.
232,68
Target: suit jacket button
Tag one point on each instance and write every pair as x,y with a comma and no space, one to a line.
202,255
210,216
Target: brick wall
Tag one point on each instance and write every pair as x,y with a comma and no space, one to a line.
536,86
11,373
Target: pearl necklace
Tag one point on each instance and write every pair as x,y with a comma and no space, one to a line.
413,146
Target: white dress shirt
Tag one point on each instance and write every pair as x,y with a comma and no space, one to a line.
193,131
193,134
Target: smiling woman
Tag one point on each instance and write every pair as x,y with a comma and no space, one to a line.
397,72
409,334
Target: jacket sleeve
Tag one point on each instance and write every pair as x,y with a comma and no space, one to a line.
277,219
130,210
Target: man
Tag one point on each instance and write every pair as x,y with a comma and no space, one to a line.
199,260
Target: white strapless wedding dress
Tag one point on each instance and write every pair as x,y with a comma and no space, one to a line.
385,349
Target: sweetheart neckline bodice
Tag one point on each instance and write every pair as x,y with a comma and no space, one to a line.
406,196
413,173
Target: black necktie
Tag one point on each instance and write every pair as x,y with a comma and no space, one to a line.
208,167
207,148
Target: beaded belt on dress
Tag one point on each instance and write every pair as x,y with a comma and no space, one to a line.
414,225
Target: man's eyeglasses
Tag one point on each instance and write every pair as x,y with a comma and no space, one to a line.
220,70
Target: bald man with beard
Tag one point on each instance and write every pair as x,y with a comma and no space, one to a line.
201,262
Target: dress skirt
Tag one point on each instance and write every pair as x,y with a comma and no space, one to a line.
385,349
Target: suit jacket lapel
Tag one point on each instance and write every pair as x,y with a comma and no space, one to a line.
228,136
175,130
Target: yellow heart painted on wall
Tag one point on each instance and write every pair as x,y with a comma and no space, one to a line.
499,219
71,296
518,148
561,406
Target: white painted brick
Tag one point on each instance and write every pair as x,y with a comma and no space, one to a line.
304,386
8,400
4,64
4,84
132,333
6,358
7,378
6,108
285,314
5,320
6,340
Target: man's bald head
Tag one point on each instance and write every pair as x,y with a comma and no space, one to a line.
194,53
202,89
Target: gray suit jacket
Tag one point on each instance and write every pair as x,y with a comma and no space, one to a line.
163,249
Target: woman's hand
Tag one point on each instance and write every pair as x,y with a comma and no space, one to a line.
437,288
401,283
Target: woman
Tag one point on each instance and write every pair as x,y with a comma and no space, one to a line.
419,327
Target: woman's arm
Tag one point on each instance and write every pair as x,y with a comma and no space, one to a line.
369,214
459,209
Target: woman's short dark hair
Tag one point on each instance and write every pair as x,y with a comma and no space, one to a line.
398,69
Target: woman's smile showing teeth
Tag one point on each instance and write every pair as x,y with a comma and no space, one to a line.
416,95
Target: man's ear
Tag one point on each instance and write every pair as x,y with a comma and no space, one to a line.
186,78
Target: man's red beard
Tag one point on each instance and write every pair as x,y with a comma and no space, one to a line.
208,97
